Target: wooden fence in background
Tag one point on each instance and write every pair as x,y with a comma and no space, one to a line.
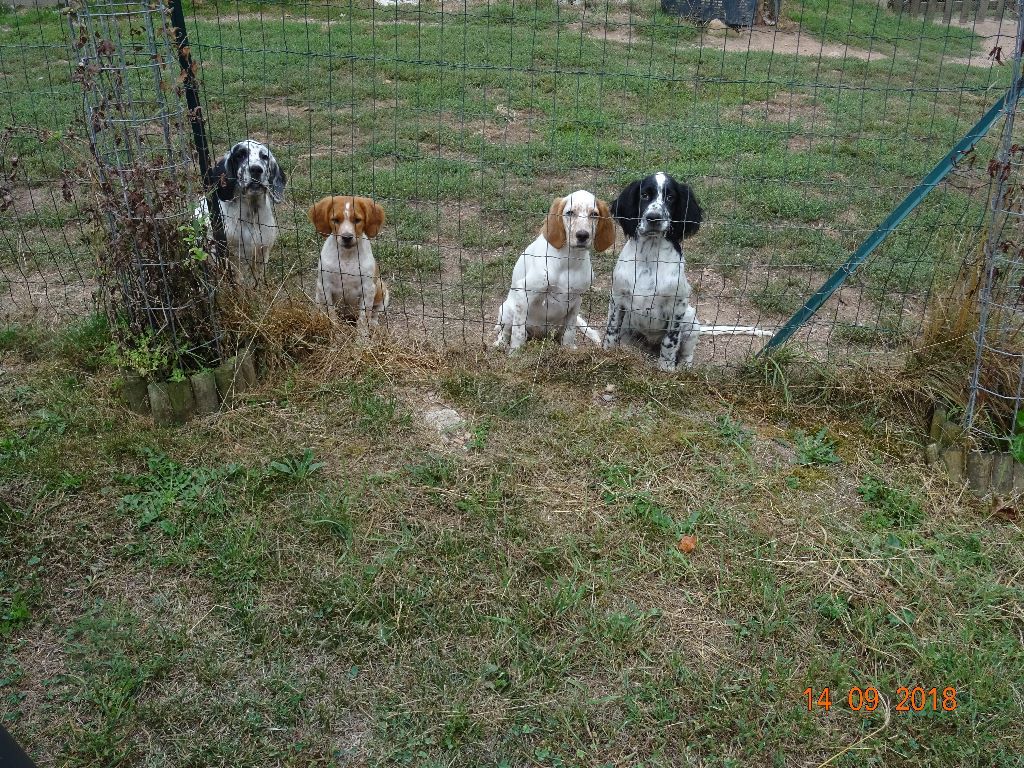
962,10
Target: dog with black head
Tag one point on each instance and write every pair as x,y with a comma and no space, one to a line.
247,182
650,297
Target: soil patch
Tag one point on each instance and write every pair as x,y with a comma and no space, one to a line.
51,296
996,34
787,42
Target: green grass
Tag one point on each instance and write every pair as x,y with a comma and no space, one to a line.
313,578
413,105
319,578
781,297
815,449
869,26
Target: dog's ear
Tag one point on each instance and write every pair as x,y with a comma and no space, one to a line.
221,179
625,209
277,180
687,214
320,215
373,216
604,238
554,226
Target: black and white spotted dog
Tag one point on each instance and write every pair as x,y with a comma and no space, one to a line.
650,300
247,182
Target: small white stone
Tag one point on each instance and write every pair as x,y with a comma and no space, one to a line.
443,419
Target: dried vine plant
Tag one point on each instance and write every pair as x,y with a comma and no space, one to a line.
153,268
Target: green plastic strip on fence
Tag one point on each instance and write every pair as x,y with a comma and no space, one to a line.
937,174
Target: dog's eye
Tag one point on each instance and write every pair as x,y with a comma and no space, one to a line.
358,219
334,220
263,155
645,195
593,214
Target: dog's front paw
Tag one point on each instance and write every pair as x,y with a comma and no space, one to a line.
610,342
666,365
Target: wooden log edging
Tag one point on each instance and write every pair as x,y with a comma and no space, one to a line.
203,393
986,472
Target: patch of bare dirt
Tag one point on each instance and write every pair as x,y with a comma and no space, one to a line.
49,296
786,42
799,143
343,143
850,217
616,27
442,152
508,126
997,35
785,109
34,199
239,16
282,108
719,301
726,299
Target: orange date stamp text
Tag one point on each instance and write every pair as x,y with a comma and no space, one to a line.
908,699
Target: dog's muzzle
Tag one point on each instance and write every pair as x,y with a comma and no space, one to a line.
257,181
654,222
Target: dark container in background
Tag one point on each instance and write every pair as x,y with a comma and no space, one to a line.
735,13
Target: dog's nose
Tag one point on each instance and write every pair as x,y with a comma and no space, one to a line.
654,217
256,171
582,235
347,238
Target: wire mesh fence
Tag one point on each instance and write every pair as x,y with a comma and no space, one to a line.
997,378
463,121
159,297
46,270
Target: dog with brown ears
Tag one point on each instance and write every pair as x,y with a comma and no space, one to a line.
348,280
553,273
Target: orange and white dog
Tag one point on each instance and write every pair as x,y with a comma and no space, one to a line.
348,279
553,273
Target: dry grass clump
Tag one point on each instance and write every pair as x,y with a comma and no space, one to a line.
943,365
283,328
286,326
943,362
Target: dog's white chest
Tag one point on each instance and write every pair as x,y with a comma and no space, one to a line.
249,227
567,282
649,282
347,276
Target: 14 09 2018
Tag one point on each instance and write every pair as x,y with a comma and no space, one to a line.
908,699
